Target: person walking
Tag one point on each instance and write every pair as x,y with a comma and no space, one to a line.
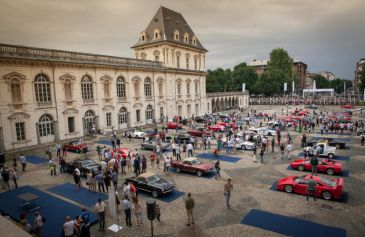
189,205
52,166
100,212
58,148
189,147
23,161
127,210
289,149
76,175
144,164
100,180
13,177
254,154
69,227
273,144
114,178
282,151
137,211
311,189
168,165
98,150
38,224
158,212
228,187
178,153
314,163
262,155
217,167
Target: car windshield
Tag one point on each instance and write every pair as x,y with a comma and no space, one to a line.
75,143
328,182
87,162
152,179
195,162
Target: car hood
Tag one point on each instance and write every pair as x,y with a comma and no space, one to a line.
285,180
299,161
164,184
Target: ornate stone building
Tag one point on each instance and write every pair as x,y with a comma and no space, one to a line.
48,95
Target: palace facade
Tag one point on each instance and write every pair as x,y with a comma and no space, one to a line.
49,95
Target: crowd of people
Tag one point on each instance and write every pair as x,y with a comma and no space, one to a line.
296,100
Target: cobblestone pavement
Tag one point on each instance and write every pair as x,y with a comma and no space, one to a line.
252,182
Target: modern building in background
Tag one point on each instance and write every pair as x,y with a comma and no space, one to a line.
359,67
48,95
299,68
328,75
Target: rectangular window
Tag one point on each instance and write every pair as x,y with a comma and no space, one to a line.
108,119
179,89
178,61
71,124
20,131
161,111
187,63
138,115
195,64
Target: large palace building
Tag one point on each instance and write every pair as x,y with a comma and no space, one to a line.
48,95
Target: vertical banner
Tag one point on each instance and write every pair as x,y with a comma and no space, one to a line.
364,95
112,202
314,85
293,85
285,86
243,87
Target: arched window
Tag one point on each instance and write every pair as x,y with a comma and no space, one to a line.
87,88
121,87
196,88
123,115
89,122
106,89
179,88
16,94
147,87
68,90
136,88
45,126
188,88
178,59
42,88
149,112
176,35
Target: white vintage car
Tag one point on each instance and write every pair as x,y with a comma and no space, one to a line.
267,131
137,134
244,145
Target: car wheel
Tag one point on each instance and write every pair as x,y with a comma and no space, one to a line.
301,167
136,137
327,195
330,171
243,147
178,170
288,188
154,194
199,173
330,155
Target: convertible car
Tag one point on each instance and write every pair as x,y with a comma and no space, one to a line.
199,132
244,145
75,146
173,125
152,183
326,188
84,165
330,167
338,143
152,146
192,165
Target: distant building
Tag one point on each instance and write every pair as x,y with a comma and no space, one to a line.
328,75
309,80
359,67
298,67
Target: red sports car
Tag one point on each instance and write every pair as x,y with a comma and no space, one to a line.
193,165
348,106
216,128
76,146
199,132
330,167
326,188
224,124
123,152
172,125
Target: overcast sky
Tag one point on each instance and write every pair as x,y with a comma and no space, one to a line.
325,34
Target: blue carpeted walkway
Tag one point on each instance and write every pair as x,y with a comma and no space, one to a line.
53,209
207,176
338,139
339,133
209,156
36,159
104,142
337,157
83,196
167,198
290,226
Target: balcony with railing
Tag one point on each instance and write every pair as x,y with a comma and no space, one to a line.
88,101
149,98
44,104
122,99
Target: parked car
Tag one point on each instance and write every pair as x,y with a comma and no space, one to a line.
182,138
151,145
76,146
193,165
330,167
244,145
84,165
338,143
152,183
327,189
347,106
231,124
326,150
123,153
311,106
216,128
136,134
184,121
173,125
199,132
201,119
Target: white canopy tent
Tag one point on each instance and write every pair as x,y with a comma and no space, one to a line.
308,92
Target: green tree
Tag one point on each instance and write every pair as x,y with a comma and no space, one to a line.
265,86
218,80
243,74
321,82
279,67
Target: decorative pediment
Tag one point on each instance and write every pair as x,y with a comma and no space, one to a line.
19,114
14,75
188,80
70,110
136,80
160,80
138,105
66,76
189,101
161,103
106,78
179,102
108,107
178,80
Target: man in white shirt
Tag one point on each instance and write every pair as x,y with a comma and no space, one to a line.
23,161
189,147
68,227
77,171
127,210
100,211
289,149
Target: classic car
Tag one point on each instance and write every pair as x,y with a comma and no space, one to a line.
182,138
76,146
173,125
231,124
137,134
338,143
244,145
184,121
326,188
201,119
151,145
199,132
330,167
265,131
84,165
193,165
216,128
152,183
325,149
123,152
347,106
251,135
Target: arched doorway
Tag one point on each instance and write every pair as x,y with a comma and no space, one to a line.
89,122
123,118
149,114
46,129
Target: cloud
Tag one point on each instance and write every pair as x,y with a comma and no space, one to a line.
326,34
